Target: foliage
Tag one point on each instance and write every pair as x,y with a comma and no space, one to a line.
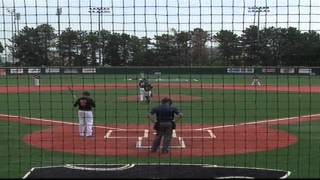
254,47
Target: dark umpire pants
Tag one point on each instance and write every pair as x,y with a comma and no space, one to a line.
164,130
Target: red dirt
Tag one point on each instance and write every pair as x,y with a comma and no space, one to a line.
230,139
28,89
158,97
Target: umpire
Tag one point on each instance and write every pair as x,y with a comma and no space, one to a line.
163,117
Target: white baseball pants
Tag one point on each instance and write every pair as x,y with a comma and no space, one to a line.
141,96
85,123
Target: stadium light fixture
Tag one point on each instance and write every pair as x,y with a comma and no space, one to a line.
99,10
258,9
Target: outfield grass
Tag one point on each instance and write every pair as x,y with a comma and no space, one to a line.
20,80
216,107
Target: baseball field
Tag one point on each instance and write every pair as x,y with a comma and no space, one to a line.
227,122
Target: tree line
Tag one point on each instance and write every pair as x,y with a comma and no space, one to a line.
42,46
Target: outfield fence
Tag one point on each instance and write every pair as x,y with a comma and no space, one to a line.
161,70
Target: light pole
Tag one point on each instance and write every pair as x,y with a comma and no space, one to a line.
58,13
99,10
14,17
258,9
17,18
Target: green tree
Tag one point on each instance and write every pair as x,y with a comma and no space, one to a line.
311,50
69,47
93,46
113,48
251,46
1,51
1,48
33,46
199,52
139,50
183,44
165,51
229,47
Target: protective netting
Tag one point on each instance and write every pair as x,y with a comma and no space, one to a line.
242,74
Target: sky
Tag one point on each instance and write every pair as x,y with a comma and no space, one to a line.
155,17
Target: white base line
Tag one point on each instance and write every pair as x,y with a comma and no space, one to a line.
28,173
146,135
54,121
128,166
211,134
258,122
108,134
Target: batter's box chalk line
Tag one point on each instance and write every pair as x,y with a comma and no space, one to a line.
143,134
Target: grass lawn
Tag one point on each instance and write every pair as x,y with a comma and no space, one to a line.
215,107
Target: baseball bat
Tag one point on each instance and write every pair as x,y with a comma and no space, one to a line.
72,93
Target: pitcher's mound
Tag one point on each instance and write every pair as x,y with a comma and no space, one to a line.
158,97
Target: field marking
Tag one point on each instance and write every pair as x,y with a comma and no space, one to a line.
146,132
259,122
52,121
70,166
211,134
107,135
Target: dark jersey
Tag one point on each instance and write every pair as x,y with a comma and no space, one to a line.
85,103
165,113
255,77
147,87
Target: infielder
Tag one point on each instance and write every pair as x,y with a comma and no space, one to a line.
255,80
85,104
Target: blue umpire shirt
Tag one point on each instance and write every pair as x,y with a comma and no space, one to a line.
165,112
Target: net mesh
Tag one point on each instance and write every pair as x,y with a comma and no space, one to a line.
243,73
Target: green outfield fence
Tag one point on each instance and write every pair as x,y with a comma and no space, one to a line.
244,74
162,69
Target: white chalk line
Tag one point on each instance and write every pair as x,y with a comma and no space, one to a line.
199,129
146,132
53,121
145,136
259,122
